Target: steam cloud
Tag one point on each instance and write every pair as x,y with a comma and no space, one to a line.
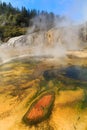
41,40
64,36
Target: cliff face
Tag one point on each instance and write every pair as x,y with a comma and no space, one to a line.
52,37
47,38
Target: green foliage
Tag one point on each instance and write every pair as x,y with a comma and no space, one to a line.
7,32
13,21
14,16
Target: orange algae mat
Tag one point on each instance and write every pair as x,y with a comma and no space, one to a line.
39,109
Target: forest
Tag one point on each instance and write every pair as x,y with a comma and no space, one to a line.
15,21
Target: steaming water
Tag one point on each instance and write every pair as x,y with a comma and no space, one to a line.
74,72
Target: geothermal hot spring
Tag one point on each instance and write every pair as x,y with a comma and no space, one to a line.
29,84
43,92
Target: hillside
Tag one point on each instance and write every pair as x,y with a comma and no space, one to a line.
14,21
